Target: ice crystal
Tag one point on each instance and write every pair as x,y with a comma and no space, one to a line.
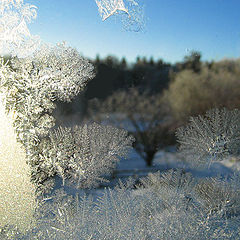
113,216
84,153
220,196
212,137
178,206
17,198
59,69
166,206
15,37
109,8
30,87
172,205
130,12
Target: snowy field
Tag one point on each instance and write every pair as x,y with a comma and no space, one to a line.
135,167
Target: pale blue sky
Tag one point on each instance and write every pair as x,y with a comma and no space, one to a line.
173,29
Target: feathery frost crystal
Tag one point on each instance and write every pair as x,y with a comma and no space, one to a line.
15,37
108,8
84,153
60,70
166,206
130,12
212,137
170,205
30,87
17,193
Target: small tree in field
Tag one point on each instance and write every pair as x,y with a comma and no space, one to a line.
143,115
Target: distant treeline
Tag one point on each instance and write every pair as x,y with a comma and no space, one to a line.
146,74
188,88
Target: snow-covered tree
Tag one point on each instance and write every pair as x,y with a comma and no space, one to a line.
141,114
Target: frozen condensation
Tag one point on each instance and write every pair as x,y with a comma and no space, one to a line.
130,12
211,137
107,8
15,38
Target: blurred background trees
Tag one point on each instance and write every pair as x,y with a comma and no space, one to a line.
153,91
143,115
217,85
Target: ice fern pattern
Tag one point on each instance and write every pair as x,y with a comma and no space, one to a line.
15,37
31,86
220,195
60,70
212,137
170,205
129,11
82,154
107,8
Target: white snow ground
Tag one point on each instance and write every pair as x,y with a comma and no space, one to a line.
164,160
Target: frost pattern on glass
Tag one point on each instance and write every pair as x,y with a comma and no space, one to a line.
170,205
212,137
107,8
15,37
30,87
60,70
220,195
130,12
17,196
83,154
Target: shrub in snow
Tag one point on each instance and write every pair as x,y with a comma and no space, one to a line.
143,115
191,93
